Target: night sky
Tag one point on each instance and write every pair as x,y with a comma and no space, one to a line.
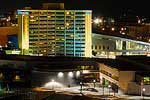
99,7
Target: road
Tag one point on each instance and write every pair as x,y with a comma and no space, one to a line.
105,93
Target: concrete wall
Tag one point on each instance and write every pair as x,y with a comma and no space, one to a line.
16,64
124,78
133,88
147,90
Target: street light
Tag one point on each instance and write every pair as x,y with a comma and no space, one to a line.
143,91
141,88
94,81
109,86
70,74
80,87
60,74
78,73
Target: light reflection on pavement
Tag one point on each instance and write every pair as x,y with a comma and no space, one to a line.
102,93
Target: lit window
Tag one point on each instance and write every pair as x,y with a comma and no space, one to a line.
67,24
48,16
1,75
17,77
67,13
71,35
31,16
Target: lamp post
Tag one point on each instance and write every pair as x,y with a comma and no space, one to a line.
143,92
52,84
141,88
81,87
94,81
109,86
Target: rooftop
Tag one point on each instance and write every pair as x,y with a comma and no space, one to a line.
122,63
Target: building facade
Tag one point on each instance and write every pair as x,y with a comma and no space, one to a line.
55,32
107,46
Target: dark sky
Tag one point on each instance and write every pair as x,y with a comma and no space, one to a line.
99,7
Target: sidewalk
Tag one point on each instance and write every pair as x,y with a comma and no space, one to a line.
104,94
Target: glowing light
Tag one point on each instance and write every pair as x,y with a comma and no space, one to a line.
1,75
67,13
67,24
96,21
31,16
112,20
123,33
85,71
32,20
103,29
94,81
52,80
17,77
139,21
78,73
48,16
70,74
112,28
144,89
71,35
53,85
60,74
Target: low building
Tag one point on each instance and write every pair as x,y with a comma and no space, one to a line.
109,46
128,75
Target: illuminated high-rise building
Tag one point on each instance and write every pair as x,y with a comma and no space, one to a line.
55,32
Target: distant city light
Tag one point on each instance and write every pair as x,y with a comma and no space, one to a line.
96,21
100,20
139,21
